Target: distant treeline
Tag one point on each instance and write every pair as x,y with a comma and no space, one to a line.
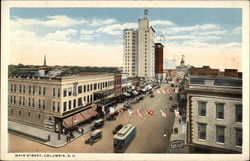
15,69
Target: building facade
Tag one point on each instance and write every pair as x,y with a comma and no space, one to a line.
139,50
214,115
159,61
46,102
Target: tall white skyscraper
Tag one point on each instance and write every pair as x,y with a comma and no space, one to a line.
139,50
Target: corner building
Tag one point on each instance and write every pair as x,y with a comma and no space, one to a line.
139,50
48,103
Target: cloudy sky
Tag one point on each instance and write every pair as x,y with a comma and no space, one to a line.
93,36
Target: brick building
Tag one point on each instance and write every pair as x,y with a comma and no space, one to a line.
158,60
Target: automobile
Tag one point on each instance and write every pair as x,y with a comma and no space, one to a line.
152,95
141,97
94,137
98,124
117,128
127,106
111,118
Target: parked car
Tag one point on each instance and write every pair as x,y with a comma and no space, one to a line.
117,128
98,124
141,97
94,137
127,106
111,118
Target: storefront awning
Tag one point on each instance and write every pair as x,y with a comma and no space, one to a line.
79,118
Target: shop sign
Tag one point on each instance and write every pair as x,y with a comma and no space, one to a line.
176,144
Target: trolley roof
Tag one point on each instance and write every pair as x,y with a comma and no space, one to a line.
124,132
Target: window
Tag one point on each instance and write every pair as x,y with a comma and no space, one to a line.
39,103
50,118
74,103
238,113
59,92
202,108
91,86
64,92
29,114
19,112
238,137
11,87
29,101
79,102
220,110
40,90
202,131
88,88
43,104
33,102
95,85
20,100
54,106
58,106
54,92
29,89
23,101
64,106
20,88
84,89
34,89
23,88
69,105
44,91
39,116
220,134
79,89
14,88
69,91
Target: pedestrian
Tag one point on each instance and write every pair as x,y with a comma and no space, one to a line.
49,137
59,136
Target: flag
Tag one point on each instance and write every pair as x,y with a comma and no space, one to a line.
130,112
75,120
139,113
94,106
103,109
149,112
176,113
163,113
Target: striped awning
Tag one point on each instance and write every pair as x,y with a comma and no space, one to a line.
79,118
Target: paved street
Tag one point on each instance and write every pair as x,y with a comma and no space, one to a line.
149,137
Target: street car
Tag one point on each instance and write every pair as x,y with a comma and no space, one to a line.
98,124
117,128
94,137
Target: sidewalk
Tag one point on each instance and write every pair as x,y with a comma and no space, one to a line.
42,136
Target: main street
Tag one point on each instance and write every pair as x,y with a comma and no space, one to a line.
149,138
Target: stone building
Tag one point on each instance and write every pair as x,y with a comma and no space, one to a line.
51,102
214,115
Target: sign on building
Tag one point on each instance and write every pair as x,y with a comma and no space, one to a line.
176,144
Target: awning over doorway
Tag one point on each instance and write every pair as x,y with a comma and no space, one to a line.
79,118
